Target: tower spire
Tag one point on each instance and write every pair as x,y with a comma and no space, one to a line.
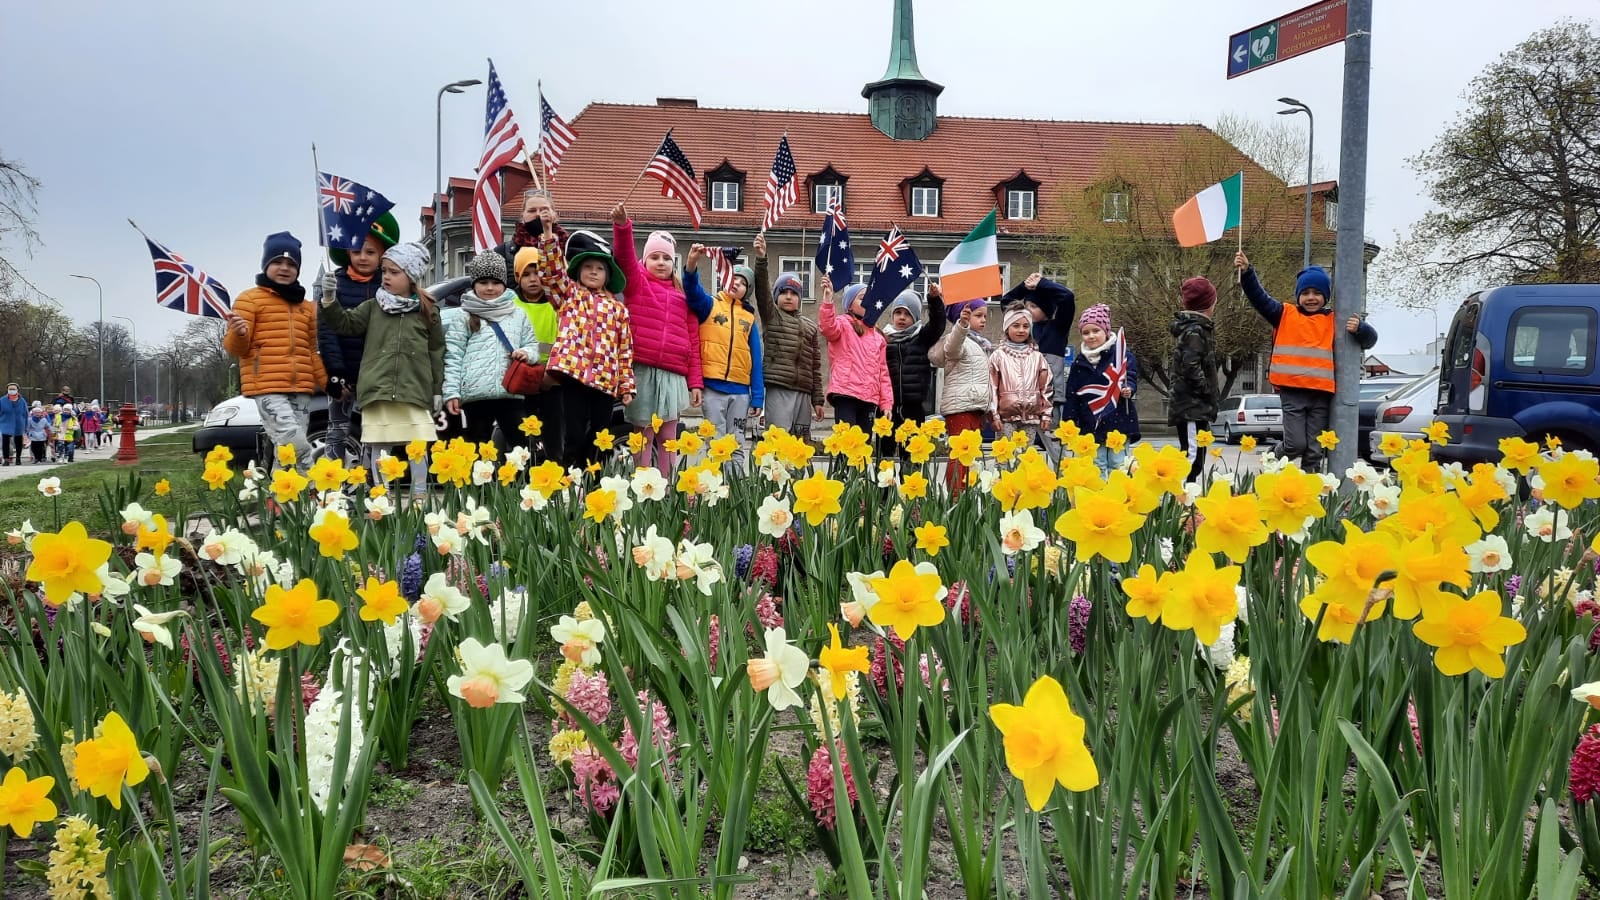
903,104
903,45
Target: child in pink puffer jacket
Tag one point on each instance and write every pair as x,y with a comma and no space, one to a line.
858,385
666,338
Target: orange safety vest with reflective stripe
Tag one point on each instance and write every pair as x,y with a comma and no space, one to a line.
1302,350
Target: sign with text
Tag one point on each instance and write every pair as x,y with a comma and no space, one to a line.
1302,31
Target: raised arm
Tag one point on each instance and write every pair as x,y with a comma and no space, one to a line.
699,301
346,321
763,288
558,285
622,250
929,336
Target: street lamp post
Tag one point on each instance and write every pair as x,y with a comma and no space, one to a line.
102,330
454,87
135,332
1297,107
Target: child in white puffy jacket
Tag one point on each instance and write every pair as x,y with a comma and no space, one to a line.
480,340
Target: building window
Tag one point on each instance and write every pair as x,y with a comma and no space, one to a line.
925,202
824,194
724,196
1019,204
462,257
1061,275
1116,207
1330,214
1121,282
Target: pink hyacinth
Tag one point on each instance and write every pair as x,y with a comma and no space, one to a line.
660,726
309,689
930,667
1416,730
789,544
1584,772
764,568
819,783
959,602
595,781
883,659
767,611
714,639
590,695
1078,623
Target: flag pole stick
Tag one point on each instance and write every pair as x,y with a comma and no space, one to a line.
322,217
1239,273
636,181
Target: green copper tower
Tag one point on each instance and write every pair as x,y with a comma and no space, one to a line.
903,104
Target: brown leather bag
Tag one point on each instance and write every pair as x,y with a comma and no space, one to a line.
522,378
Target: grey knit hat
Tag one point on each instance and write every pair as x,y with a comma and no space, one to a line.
487,264
909,301
412,258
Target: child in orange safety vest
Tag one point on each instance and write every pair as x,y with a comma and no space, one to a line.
1302,355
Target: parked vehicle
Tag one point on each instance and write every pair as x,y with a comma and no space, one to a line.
1374,390
1407,411
1253,414
235,423
1520,362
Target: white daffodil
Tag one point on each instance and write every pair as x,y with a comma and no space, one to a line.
1018,533
580,641
252,472
654,555
474,521
1363,476
986,479
249,492
519,457
1330,483
440,598
23,535
1271,465
112,587
134,517
774,518
698,561
532,500
1384,500
1548,525
887,477
862,596
151,570
774,470
482,472
619,487
1192,491
1588,693
448,542
378,507
783,669
710,485
487,676
50,487
1489,554
228,547
153,626
435,522
649,485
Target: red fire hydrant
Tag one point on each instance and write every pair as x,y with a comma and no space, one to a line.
128,417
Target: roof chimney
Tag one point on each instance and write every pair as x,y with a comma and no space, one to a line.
681,102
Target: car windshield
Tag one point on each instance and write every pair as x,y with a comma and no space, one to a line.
1372,390
1266,401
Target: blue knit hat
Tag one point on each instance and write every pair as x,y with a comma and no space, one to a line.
280,244
1314,278
787,282
849,295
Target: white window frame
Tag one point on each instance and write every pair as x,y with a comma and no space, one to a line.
721,191
463,256
1116,283
820,194
1021,205
1330,214
1114,206
1062,275
921,196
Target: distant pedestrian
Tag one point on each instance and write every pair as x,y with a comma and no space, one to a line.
1302,355
1101,383
1193,370
91,421
968,398
66,434
1021,376
13,425
273,333
791,350
858,383
38,433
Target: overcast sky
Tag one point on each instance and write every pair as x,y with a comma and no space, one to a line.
196,119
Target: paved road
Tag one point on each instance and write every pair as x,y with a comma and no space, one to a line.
27,469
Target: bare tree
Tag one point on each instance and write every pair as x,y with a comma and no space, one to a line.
1275,145
18,190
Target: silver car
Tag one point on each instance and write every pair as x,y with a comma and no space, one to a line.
1242,414
1406,411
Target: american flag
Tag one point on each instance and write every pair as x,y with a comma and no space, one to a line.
834,256
722,261
181,286
1103,397
348,211
502,143
676,174
780,194
555,136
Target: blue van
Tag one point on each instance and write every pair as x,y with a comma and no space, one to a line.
1519,361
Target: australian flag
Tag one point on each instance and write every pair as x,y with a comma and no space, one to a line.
348,211
834,258
894,269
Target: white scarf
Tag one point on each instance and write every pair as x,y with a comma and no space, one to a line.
396,306
496,310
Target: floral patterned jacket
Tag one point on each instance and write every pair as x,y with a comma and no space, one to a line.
594,340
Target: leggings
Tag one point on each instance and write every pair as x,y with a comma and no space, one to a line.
11,447
854,411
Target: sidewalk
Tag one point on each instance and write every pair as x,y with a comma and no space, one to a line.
27,469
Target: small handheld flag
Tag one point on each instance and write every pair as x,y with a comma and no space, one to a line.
1210,213
780,193
502,143
181,286
972,270
834,257
555,136
722,261
1102,397
348,211
895,268
672,168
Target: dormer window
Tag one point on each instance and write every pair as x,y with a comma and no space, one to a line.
1018,196
1020,204
924,195
1115,206
726,188
827,187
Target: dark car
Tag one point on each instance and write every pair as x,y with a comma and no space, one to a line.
1519,361
1374,390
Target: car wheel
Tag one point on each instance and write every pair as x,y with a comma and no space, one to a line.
318,439
1228,435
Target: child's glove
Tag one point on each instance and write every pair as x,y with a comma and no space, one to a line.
438,403
329,287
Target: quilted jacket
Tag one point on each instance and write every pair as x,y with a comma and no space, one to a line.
474,362
666,334
278,351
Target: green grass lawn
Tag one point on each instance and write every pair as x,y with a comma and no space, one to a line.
84,483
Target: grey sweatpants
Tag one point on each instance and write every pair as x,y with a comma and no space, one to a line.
789,410
728,412
1058,399
284,418
1305,415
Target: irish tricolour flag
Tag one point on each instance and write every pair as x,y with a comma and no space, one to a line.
1209,213
972,270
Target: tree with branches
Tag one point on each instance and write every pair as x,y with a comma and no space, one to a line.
1515,180
18,191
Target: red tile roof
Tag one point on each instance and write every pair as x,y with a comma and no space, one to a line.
972,155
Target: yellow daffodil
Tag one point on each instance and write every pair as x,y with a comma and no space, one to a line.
933,428
531,426
287,456
707,429
598,504
837,661
1203,438
381,601
1424,565
1232,523
1288,498
1166,469
110,759
931,538
1437,432
1147,594
1339,620
155,538
417,450
216,476
1044,743
1569,479
25,803
1392,444
164,487
294,616
1469,634
1247,444
68,563
332,532
287,484
909,597
966,446
635,442
914,486
920,448
1518,455
1116,441
817,497
326,473
1100,523
1352,567
1203,598
1328,440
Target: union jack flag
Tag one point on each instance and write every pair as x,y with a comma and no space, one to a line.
722,261
780,192
672,168
502,143
555,136
181,286
1102,397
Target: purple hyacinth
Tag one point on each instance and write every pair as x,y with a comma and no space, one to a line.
1078,622
1513,584
421,543
742,555
411,577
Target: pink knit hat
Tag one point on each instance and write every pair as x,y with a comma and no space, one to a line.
662,241
1098,315
1017,315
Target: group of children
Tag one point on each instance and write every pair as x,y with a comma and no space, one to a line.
53,432
602,324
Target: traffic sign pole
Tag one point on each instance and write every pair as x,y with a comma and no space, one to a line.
1349,272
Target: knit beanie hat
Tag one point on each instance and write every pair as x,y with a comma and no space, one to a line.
487,265
279,245
662,241
412,259
1199,294
527,256
850,294
787,282
1019,315
747,273
1314,278
909,301
1098,315
952,311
